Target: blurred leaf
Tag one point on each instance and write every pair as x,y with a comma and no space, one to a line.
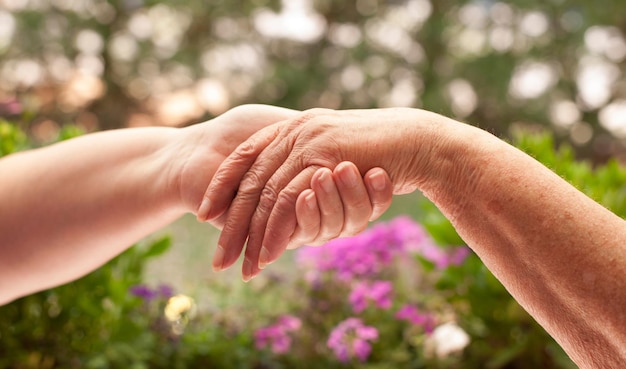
503,357
70,131
158,247
12,139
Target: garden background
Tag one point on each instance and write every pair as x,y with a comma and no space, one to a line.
545,75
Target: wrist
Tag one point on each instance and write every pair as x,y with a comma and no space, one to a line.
194,162
422,149
454,166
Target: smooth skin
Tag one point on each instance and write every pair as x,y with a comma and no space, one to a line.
559,253
68,208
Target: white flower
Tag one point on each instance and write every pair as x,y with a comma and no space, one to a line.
447,339
178,306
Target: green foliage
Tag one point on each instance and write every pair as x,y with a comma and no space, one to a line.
603,183
69,131
90,323
11,138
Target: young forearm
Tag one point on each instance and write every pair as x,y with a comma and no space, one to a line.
560,254
70,207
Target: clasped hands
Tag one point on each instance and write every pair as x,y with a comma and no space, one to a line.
314,176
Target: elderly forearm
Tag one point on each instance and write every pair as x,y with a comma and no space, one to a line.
560,254
69,207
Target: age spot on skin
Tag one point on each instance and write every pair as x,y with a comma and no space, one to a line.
495,207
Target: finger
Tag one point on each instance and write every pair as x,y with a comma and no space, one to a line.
242,208
356,202
219,221
229,175
261,251
380,191
270,163
238,219
330,205
308,218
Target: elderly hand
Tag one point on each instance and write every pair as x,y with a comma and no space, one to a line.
270,170
204,145
331,211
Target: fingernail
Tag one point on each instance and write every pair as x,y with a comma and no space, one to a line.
204,209
378,181
264,258
348,177
218,259
326,181
246,270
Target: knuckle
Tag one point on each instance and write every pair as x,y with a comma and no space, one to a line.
219,179
315,112
251,182
285,201
245,150
268,194
231,227
302,119
266,202
309,114
316,147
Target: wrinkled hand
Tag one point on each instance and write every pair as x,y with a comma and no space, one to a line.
204,146
321,215
270,170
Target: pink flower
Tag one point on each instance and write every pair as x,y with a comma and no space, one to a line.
443,258
369,253
10,106
277,335
351,338
379,292
411,314
366,255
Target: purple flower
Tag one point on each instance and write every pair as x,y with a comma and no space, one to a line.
148,294
379,292
411,314
277,335
143,291
165,291
351,338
